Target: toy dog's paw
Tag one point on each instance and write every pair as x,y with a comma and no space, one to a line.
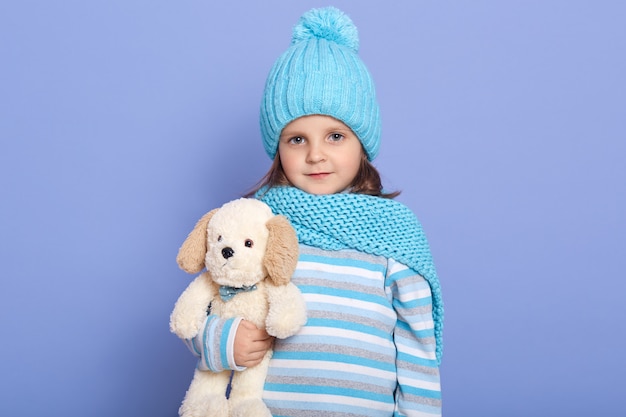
207,406
287,313
185,327
286,328
190,311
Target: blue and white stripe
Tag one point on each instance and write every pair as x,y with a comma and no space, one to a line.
368,348
214,344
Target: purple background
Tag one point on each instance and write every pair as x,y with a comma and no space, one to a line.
122,122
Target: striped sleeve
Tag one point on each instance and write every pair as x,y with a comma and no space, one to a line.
419,389
213,345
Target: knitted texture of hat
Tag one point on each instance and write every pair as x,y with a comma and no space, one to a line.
373,225
321,73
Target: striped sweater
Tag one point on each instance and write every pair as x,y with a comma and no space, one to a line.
368,348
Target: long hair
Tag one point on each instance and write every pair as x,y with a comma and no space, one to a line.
367,180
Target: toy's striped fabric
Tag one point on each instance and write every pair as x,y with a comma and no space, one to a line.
368,348
368,224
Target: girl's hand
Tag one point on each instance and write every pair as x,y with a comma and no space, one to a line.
251,344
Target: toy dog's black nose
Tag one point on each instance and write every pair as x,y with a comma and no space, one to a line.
227,252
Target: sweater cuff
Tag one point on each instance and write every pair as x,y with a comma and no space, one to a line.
230,344
215,344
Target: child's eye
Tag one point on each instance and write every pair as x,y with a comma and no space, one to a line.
297,140
335,137
249,243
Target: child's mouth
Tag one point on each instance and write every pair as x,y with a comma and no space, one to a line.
319,175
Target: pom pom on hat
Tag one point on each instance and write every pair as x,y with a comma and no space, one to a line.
321,73
328,23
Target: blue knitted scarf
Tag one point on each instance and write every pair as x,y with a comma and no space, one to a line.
369,224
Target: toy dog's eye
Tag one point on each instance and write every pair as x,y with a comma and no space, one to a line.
249,243
219,238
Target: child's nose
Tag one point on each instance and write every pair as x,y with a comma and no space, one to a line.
315,154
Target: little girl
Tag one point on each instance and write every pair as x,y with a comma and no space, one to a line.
372,342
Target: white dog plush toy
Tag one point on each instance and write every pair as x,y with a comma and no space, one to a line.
250,255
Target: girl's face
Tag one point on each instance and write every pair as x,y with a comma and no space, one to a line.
319,154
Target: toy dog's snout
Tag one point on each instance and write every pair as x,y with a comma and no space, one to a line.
227,252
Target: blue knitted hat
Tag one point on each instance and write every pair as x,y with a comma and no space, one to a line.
321,73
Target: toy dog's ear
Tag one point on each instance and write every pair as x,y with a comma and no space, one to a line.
191,254
281,254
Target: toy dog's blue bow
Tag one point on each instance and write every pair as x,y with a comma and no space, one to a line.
227,292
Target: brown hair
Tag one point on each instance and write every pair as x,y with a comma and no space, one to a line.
367,180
